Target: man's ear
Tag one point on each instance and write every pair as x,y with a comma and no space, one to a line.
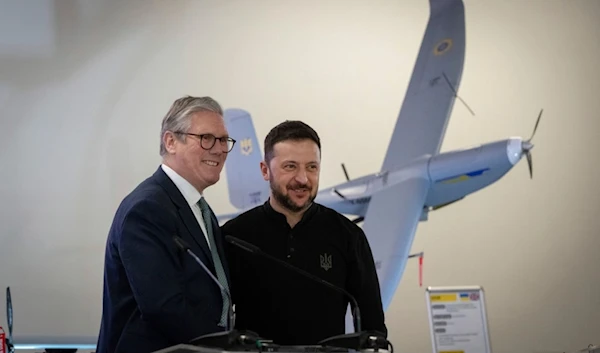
169,141
264,168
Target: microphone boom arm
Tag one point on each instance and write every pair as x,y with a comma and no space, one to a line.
231,314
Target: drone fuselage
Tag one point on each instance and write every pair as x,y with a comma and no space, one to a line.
451,175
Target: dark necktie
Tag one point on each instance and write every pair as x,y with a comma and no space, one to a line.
206,214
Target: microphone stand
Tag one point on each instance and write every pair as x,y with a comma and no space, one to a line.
231,337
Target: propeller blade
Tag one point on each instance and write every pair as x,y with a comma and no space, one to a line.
345,172
527,146
529,163
536,124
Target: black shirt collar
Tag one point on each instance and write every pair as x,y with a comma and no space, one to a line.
272,213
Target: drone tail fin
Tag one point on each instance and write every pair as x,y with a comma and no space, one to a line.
246,185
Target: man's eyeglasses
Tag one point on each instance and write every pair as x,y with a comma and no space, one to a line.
207,141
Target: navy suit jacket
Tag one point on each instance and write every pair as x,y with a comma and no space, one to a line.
155,295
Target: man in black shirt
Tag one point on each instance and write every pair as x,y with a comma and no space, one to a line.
274,301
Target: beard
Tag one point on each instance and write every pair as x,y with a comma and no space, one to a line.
285,200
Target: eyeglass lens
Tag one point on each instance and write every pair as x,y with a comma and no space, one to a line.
208,141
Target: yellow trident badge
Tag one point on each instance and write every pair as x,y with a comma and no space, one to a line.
246,146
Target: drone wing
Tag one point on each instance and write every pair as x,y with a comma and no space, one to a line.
390,224
393,214
431,93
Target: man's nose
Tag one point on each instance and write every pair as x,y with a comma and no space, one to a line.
216,149
301,177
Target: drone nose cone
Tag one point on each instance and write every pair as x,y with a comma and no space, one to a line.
514,149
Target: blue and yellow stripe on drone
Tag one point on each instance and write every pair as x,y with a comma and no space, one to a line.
462,177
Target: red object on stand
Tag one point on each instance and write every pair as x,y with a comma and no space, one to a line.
421,270
2,340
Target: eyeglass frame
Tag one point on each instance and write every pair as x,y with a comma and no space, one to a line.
201,136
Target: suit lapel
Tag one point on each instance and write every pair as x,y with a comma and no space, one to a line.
185,213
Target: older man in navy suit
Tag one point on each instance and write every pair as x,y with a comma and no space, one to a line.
155,295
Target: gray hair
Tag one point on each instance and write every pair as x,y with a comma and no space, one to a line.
178,117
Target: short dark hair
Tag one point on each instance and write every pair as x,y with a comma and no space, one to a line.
294,130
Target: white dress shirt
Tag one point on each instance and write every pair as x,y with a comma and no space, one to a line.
190,194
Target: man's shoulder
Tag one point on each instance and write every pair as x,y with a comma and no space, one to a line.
245,219
147,195
335,218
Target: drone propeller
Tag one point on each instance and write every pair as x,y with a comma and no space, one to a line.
9,318
527,146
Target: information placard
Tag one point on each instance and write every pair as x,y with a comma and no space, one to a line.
458,320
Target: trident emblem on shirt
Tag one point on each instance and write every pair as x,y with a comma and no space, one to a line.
325,261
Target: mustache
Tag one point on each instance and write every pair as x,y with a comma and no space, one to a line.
299,186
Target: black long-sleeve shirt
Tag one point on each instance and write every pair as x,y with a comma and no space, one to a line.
284,306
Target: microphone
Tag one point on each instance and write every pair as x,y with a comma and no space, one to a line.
357,340
231,337
256,250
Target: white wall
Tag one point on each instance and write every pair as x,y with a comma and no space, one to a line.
80,122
